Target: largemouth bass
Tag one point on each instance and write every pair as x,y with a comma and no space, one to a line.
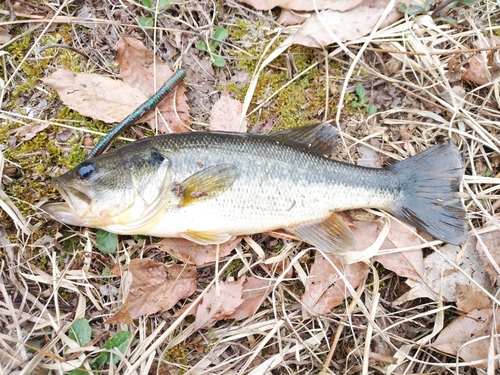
210,187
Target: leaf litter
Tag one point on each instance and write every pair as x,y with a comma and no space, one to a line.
111,100
411,267
150,287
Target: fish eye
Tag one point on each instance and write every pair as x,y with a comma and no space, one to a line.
85,170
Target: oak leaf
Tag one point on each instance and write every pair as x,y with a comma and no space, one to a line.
226,115
141,69
150,287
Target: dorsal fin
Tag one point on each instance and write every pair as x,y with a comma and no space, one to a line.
318,137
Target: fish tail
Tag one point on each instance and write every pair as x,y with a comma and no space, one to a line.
429,198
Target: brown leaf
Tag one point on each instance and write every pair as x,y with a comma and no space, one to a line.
324,287
368,157
219,303
150,287
441,276
477,71
470,298
255,291
408,264
340,5
95,96
226,115
4,35
349,25
492,242
288,17
141,69
462,336
27,132
193,253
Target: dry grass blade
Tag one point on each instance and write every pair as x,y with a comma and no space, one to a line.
51,276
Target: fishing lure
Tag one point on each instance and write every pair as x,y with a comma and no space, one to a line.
144,108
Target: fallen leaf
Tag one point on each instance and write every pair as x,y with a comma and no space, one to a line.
340,5
477,71
254,292
491,241
441,276
324,288
28,132
149,287
352,24
469,336
408,264
226,115
219,303
4,35
193,253
141,69
470,298
368,157
288,17
95,96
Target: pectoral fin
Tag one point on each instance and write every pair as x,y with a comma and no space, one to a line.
206,184
331,235
206,237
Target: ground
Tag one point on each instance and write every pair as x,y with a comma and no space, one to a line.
53,275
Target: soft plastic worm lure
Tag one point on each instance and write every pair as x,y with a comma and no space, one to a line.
144,108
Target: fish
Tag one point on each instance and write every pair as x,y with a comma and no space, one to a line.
209,187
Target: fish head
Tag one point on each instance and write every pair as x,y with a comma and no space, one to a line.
113,189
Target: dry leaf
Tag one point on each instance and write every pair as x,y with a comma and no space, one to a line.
150,287
193,253
288,17
226,115
477,71
461,336
141,69
346,26
324,287
440,277
255,291
95,96
368,157
408,264
27,132
492,242
219,303
4,35
470,298
340,5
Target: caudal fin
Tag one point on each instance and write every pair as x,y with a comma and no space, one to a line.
429,198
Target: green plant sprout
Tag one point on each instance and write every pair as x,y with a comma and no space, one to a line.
81,332
362,101
150,21
219,36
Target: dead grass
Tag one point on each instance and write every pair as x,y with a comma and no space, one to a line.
52,275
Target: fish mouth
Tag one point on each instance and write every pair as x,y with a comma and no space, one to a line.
72,210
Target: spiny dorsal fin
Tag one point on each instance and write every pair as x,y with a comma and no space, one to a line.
206,184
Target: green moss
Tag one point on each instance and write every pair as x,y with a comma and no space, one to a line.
177,355
299,103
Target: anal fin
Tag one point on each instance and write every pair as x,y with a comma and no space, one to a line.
331,235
